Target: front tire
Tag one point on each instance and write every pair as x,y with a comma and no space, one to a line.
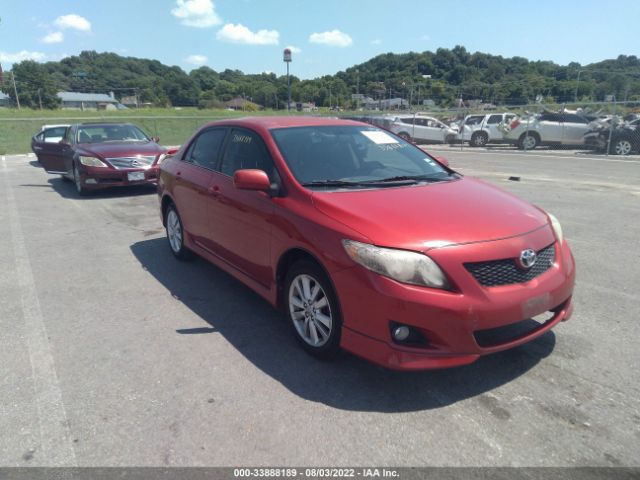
621,146
175,234
312,309
77,180
405,136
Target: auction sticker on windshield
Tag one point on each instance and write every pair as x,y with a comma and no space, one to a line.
380,138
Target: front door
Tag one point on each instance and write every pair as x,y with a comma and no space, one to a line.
241,220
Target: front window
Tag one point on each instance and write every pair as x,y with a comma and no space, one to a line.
354,157
110,133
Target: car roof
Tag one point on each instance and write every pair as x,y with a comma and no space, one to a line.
274,122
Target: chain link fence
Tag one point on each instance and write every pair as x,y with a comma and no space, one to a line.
605,127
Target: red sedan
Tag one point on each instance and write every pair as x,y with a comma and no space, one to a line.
99,155
366,242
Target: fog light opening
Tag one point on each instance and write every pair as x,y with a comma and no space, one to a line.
406,335
401,333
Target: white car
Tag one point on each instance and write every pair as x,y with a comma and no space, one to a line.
480,130
421,128
549,128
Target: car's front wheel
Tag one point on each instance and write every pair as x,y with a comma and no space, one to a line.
77,180
621,146
312,308
175,234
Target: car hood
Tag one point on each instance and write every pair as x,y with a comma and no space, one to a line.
125,149
433,215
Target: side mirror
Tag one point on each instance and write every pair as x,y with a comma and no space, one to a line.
250,179
156,139
443,161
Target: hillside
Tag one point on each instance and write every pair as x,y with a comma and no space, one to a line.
443,76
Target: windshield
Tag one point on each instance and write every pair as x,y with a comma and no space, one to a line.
359,155
110,133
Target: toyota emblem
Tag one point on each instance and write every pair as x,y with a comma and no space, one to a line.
527,258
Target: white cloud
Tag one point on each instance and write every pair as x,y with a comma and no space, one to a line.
73,21
241,34
294,49
21,55
376,41
196,59
55,37
196,13
334,38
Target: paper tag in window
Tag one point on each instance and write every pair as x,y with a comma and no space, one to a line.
380,138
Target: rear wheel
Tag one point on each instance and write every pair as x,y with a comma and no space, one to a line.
175,234
528,141
312,308
479,139
621,146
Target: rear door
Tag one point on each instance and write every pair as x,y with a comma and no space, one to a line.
492,127
50,147
192,182
549,127
240,219
574,128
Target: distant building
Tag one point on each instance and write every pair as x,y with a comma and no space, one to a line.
87,101
5,100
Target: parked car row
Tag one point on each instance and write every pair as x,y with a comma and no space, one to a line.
365,242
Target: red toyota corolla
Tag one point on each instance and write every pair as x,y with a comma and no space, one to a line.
366,242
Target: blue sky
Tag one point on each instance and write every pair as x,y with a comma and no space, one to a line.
327,35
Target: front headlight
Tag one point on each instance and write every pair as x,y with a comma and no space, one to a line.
161,158
92,162
557,228
401,265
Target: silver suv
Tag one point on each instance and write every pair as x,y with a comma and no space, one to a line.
422,128
548,128
479,130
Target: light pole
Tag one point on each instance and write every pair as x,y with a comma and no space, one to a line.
287,59
575,96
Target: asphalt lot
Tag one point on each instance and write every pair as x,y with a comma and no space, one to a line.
114,354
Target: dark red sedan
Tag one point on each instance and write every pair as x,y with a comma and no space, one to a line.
99,155
366,242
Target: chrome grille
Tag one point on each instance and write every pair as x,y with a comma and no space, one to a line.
122,163
507,272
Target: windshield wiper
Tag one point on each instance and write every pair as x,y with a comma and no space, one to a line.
332,183
416,178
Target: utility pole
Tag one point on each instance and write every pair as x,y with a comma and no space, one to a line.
15,90
39,98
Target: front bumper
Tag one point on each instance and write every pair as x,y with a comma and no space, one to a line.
96,178
452,321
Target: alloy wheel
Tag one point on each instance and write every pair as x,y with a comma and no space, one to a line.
174,231
310,310
622,147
